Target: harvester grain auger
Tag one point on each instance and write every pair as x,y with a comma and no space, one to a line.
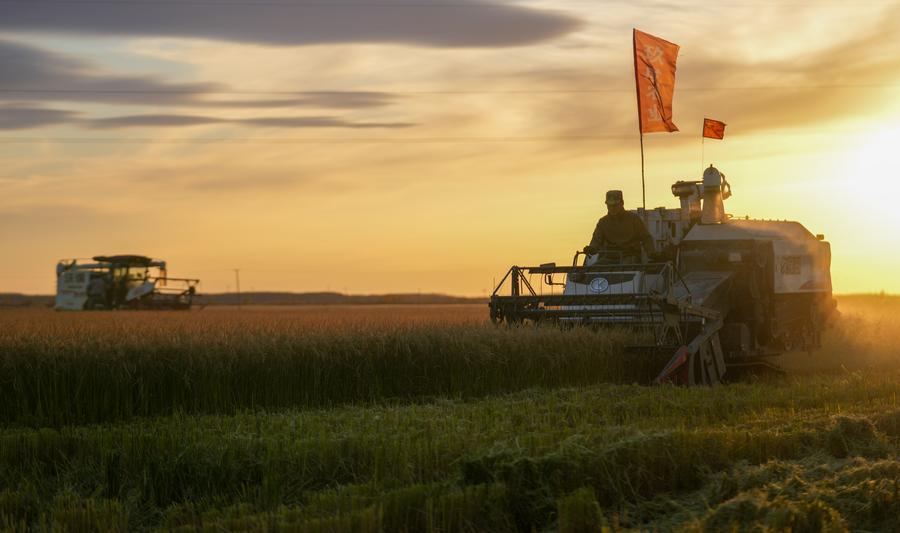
728,294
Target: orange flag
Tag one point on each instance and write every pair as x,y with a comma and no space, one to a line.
713,129
654,73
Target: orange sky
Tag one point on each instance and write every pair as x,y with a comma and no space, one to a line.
380,147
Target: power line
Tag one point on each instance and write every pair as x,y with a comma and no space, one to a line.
280,3
450,92
414,5
309,140
373,93
368,140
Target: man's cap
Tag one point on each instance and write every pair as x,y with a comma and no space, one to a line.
614,197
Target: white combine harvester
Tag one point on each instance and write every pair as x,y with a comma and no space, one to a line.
727,294
120,282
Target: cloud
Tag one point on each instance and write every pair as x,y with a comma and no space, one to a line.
319,122
148,121
318,99
436,23
16,117
28,70
144,121
806,89
42,75
822,86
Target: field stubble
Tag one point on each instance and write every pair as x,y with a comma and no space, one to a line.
398,418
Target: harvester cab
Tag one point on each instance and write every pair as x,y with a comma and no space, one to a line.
718,295
121,282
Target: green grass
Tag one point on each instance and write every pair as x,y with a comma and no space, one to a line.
819,449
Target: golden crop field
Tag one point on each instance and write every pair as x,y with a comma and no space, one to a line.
429,418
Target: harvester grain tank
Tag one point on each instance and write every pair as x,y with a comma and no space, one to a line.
120,282
721,294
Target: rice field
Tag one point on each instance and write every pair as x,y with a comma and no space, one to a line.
430,419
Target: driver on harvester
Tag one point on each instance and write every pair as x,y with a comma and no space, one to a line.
620,235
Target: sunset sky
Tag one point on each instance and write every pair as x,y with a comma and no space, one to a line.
374,146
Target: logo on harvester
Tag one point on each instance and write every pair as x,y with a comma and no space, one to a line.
599,285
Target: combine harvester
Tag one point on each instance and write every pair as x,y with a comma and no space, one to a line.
121,282
725,296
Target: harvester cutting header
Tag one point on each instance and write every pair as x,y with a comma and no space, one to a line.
717,293
121,282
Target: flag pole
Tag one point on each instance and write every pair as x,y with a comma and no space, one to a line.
637,93
702,150
643,184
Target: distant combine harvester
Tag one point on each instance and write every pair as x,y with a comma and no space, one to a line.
120,282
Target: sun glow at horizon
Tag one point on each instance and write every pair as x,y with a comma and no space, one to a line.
433,164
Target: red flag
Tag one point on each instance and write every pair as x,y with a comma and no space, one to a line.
713,129
654,73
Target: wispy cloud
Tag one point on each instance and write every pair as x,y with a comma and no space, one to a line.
42,76
804,89
20,117
437,23
145,121
36,74
16,117
836,80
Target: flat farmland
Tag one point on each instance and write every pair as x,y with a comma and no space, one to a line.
429,418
